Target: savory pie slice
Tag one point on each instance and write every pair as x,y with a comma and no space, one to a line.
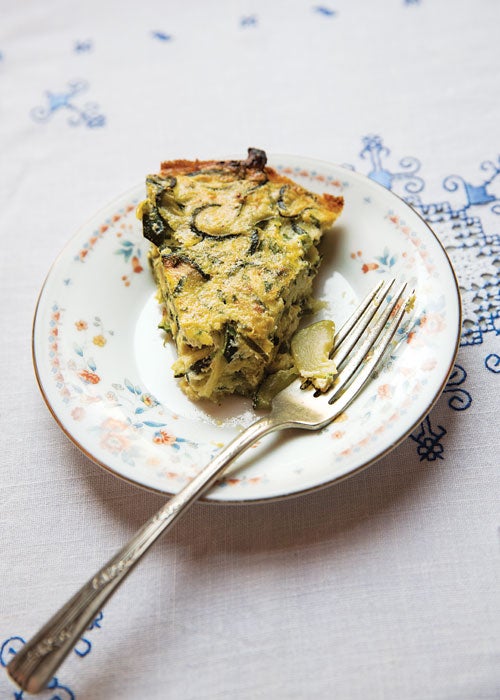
234,256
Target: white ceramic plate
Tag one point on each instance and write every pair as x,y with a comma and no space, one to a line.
105,373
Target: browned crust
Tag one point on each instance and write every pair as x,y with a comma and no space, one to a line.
253,164
247,169
184,167
334,204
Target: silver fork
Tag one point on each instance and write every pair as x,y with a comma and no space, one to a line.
359,347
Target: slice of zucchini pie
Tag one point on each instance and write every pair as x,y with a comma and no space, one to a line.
234,254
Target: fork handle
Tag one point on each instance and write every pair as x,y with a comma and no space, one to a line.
35,664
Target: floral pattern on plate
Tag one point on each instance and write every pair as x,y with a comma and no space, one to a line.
104,368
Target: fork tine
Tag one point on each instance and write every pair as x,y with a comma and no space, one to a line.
374,359
354,327
369,340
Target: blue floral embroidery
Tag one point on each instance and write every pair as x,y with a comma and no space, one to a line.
83,46
476,193
12,645
475,253
374,149
87,114
161,36
83,647
460,399
10,648
325,11
492,362
248,21
428,440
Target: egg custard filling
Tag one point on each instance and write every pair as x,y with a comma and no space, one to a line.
234,255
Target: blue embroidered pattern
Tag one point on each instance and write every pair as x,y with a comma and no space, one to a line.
87,114
325,11
11,646
374,149
459,227
476,193
492,362
429,441
248,21
161,36
460,399
83,46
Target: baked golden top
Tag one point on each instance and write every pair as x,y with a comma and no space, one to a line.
234,256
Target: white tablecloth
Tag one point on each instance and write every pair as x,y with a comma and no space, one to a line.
382,587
